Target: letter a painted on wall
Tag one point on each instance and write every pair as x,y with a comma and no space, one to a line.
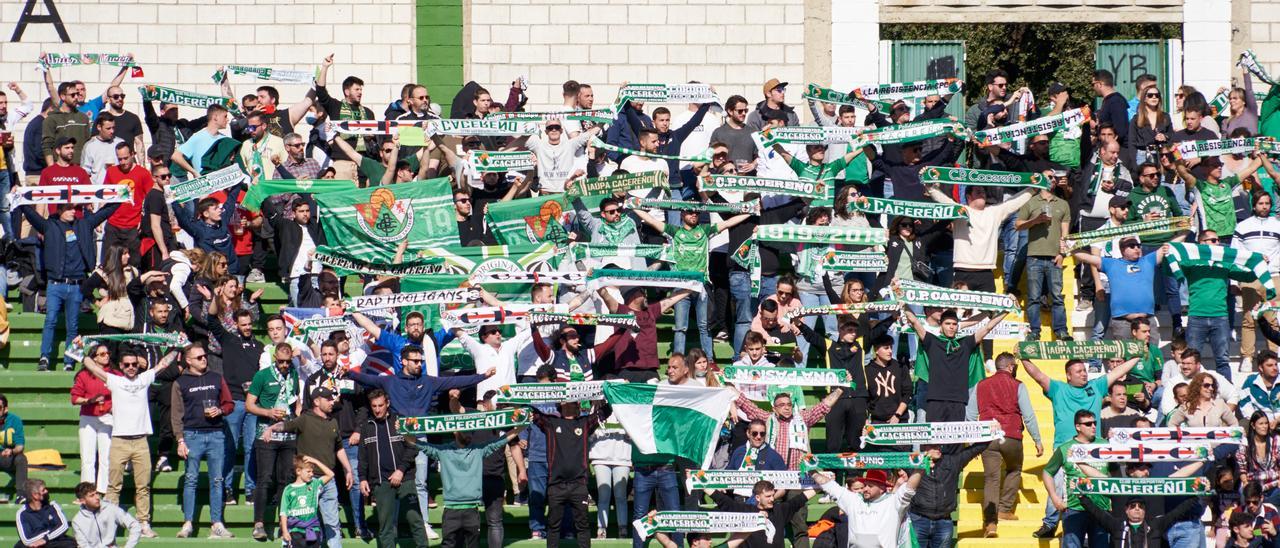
28,17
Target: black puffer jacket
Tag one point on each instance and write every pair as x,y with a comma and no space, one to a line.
405,448
936,497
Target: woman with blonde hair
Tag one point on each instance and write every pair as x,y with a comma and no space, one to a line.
1242,108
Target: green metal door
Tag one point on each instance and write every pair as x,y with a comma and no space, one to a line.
914,60
1129,59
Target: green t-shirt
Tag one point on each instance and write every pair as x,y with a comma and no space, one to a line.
689,245
1064,150
1219,207
1071,470
1160,201
301,502
1044,240
826,172
1067,399
1148,369
268,385
1207,286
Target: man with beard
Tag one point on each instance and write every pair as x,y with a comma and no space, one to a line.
66,122
348,108
123,225
775,97
128,125
1046,217
349,403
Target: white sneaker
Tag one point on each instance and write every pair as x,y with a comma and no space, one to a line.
219,531
147,532
186,531
255,277
431,533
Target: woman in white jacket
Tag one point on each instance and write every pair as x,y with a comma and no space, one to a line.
610,456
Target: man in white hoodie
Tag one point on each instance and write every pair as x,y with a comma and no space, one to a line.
875,515
558,155
977,234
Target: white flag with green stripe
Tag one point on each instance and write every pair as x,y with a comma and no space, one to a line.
682,421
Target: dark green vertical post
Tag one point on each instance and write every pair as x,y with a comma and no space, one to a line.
440,57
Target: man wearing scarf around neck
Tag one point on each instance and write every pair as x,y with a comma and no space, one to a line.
349,108
947,357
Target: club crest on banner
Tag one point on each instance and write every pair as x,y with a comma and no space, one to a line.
385,217
546,224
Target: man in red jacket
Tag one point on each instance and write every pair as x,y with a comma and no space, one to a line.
1003,398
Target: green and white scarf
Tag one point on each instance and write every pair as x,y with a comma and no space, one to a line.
483,127
1241,265
702,158
806,135
316,330
828,95
826,235
186,98
1142,229
59,60
627,321
613,184
1158,487
346,265
917,293
1008,330
786,376
914,131
353,126
746,479
464,422
608,251
1143,452
933,433
75,350
909,208
485,161
854,261
1084,350
1222,101
265,189
750,207
1249,62
674,279
599,116
865,461
1212,435
1215,147
855,308
1039,126
200,187
903,90
418,298
666,93
266,73
509,314
551,392
702,522
981,177
797,431
1269,306
802,188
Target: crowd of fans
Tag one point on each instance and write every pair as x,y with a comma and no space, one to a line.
297,430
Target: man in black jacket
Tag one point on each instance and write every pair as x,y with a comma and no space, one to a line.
888,384
1137,530
779,513
296,241
386,459
240,352
936,497
68,251
568,437
847,416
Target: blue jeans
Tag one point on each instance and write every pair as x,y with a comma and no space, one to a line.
1186,534
828,322
329,512
1167,290
744,306
1217,333
932,533
1076,524
357,509
537,473
241,425
420,462
1044,276
202,445
667,484
682,321
64,298
1014,244
943,265
1101,317
6,219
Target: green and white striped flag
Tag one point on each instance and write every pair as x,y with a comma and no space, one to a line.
681,421
1241,265
371,222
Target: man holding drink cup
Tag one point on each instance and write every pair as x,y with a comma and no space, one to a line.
201,400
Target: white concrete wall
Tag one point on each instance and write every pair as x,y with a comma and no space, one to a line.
855,42
735,45
179,43
1206,40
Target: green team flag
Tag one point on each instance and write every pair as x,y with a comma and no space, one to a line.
865,461
464,422
1157,487
681,421
529,220
371,222
266,189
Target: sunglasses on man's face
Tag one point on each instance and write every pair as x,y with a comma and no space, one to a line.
163,176
1090,423
118,96
756,434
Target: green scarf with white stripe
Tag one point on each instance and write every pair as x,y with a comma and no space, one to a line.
1241,265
